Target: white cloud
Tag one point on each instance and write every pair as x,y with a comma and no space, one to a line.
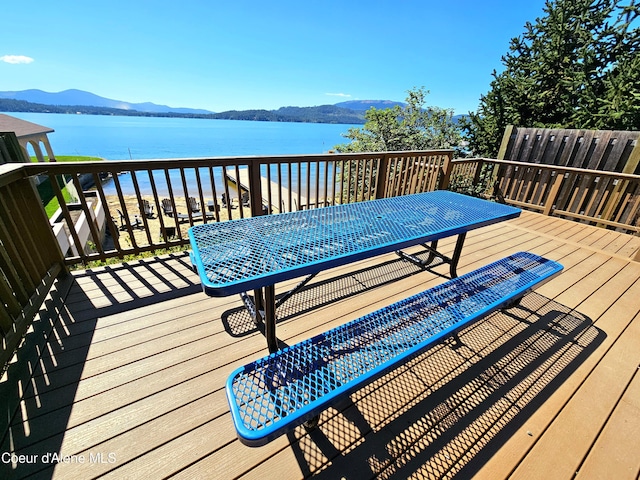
344,95
16,59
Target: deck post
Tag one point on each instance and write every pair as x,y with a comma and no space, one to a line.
382,179
447,168
255,188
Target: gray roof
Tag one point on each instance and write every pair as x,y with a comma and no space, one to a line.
22,128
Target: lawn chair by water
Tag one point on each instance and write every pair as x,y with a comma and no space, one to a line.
225,201
167,207
147,209
244,200
134,223
194,205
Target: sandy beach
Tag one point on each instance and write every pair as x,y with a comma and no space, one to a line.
147,229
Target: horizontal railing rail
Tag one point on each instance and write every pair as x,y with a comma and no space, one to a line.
119,208
603,198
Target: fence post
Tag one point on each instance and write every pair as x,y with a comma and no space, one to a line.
506,137
10,149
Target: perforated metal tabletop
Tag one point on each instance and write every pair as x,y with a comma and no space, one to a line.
246,254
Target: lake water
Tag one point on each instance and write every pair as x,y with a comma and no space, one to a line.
122,138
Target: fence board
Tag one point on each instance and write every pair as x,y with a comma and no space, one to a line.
590,149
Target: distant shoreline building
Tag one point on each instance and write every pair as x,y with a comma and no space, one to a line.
29,133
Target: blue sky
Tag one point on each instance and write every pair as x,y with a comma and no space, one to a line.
241,54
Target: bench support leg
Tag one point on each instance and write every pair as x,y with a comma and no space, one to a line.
512,304
454,341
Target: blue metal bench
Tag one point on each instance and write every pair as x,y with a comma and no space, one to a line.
273,395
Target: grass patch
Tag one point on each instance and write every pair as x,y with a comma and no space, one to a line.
47,196
73,158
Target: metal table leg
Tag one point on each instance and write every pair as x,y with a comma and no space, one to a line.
263,312
270,318
455,258
259,302
433,253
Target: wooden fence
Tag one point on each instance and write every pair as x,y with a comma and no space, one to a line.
30,259
605,199
604,150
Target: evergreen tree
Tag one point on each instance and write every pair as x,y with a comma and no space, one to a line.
577,67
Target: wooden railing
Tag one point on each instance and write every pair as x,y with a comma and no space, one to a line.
148,205
602,198
138,206
30,259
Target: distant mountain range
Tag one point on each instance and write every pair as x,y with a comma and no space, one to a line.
81,98
364,105
79,101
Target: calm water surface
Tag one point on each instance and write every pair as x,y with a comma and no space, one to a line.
120,138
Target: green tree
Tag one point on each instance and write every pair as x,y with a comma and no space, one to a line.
577,67
410,127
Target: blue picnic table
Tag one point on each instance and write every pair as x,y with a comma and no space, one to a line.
256,253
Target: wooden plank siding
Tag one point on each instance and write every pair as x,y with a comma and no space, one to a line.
128,370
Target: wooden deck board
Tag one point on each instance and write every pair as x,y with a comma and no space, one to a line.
610,325
615,453
137,363
561,449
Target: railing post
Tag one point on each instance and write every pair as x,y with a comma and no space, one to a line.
381,177
630,167
447,167
255,188
476,175
553,194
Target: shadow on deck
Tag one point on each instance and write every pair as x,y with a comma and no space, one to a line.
445,413
38,391
454,406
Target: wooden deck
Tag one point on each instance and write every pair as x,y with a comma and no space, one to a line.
130,382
